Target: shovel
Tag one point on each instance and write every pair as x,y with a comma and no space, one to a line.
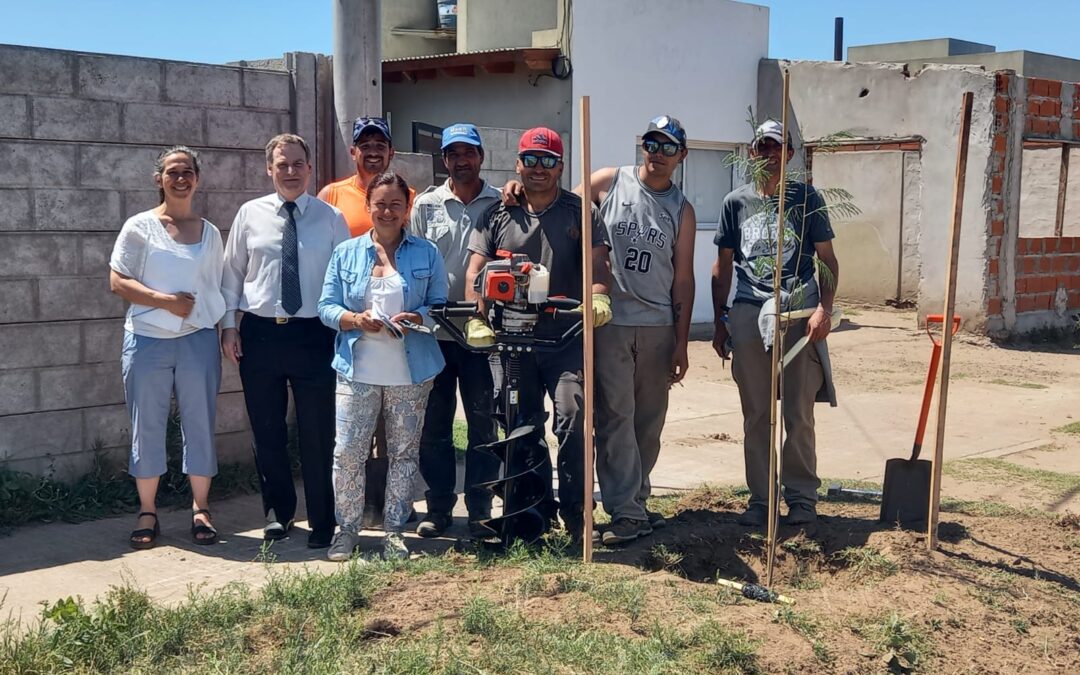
906,492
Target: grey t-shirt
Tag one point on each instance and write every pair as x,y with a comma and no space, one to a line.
439,216
748,225
643,226
551,238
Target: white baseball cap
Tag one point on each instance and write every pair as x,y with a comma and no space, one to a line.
770,129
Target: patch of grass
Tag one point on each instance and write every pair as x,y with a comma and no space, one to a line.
461,437
1021,385
997,589
988,508
725,651
808,627
999,471
892,633
626,595
666,559
1070,428
866,563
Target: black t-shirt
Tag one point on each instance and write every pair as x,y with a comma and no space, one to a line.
551,238
748,225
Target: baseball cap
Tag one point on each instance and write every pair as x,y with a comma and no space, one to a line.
460,133
770,129
364,124
668,126
541,139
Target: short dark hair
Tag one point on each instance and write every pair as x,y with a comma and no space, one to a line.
388,178
286,139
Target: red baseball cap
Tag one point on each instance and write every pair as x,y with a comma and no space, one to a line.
541,139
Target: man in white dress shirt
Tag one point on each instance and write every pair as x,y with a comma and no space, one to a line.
275,261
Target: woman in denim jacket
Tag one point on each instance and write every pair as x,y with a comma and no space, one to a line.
377,293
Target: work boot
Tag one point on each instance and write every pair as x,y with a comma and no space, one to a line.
394,547
800,513
624,530
434,524
343,546
755,515
656,520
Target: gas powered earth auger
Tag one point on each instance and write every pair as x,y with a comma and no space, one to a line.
515,292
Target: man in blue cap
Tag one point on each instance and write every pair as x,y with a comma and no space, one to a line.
447,214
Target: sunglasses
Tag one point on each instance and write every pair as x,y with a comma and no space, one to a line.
546,161
653,147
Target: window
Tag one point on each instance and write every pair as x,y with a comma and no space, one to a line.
705,177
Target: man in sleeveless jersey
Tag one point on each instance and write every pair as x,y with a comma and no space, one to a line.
372,150
641,353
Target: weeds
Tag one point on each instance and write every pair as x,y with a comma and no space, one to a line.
865,563
1016,383
808,627
992,470
1070,428
725,651
892,633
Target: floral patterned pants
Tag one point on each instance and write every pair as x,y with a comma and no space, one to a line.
358,409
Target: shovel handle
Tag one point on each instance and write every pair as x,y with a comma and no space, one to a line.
933,319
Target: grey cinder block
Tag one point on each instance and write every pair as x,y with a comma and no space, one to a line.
119,77
32,345
72,119
198,84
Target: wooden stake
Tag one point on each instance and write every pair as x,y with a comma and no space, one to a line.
587,318
775,460
950,306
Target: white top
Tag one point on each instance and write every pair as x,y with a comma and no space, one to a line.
251,281
379,358
145,252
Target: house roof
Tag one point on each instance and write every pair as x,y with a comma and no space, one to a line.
464,64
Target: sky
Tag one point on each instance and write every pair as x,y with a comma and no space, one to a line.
233,30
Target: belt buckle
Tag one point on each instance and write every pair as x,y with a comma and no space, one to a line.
280,320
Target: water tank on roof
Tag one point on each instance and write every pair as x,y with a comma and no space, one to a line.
447,14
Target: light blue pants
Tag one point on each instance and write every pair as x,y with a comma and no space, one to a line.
153,368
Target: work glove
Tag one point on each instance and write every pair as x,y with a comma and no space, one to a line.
601,309
478,333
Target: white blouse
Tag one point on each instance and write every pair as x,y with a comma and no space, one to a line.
145,252
379,358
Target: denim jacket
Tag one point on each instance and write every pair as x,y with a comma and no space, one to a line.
345,290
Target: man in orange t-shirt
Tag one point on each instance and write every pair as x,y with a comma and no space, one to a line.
372,150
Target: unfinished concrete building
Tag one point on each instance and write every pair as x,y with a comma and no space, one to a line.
1019,267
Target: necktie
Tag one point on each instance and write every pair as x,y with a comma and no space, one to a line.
291,298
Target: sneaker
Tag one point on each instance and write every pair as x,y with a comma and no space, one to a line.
755,515
394,547
656,520
434,524
343,546
624,530
800,513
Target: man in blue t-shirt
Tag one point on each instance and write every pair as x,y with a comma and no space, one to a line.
746,239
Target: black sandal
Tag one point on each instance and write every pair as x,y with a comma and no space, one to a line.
198,528
150,534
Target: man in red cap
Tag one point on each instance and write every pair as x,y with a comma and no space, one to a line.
546,225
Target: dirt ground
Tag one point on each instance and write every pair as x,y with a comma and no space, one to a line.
1001,594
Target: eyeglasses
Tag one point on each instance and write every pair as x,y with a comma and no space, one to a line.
653,147
546,161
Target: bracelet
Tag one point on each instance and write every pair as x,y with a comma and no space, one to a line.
827,312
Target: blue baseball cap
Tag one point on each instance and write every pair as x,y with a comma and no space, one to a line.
461,133
364,124
667,126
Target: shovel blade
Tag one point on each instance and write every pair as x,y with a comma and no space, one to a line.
906,495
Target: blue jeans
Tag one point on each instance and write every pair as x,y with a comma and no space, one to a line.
153,368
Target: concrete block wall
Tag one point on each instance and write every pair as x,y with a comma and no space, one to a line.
500,154
78,137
